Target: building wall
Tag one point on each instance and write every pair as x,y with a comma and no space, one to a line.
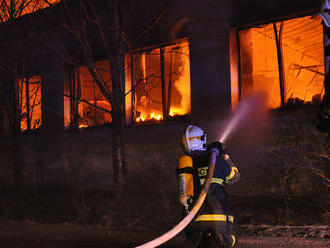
56,156
205,23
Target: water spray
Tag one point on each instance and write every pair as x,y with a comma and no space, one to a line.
243,108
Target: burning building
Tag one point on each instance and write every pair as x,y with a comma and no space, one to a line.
161,80
30,103
283,59
184,61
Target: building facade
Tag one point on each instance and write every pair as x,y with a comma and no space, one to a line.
183,62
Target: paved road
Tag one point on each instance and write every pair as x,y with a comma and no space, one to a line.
250,242
33,235
268,242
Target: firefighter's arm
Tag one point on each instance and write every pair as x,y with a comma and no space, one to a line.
185,180
233,176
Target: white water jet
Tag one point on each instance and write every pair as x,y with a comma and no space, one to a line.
244,108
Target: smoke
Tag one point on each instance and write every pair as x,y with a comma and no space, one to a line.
249,109
176,28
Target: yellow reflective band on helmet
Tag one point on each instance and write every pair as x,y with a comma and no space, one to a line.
217,180
234,240
195,138
215,217
232,174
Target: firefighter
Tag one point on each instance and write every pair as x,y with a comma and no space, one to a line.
214,222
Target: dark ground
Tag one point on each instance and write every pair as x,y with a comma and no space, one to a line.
28,235
162,210
72,218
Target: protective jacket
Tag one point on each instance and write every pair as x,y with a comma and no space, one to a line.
192,171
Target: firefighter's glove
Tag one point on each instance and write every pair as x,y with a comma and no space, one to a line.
185,211
217,145
188,205
190,202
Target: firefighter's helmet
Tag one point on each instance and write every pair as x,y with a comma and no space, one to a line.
193,139
325,12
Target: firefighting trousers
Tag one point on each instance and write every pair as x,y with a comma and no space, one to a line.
210,231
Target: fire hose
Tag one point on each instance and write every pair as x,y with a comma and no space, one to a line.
186,220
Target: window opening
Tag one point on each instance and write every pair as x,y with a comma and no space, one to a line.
283,60
161,83
30,102
84,103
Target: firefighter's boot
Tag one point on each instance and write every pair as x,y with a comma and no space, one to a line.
230,241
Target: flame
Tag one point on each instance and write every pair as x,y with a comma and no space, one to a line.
152,116
157,116
144,116
149,106
177,111
83,126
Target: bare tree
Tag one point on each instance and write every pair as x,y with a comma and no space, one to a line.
299,164
95,26
11,69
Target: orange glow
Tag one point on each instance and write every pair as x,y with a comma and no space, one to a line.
11,9
159,116
233,69
151,116
30,102
157,91
302,55
93,108
83,126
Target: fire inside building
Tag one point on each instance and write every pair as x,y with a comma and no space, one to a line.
302,74
162,88
301,70
193,65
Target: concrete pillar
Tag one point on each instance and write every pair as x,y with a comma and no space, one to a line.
52,122
210,62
